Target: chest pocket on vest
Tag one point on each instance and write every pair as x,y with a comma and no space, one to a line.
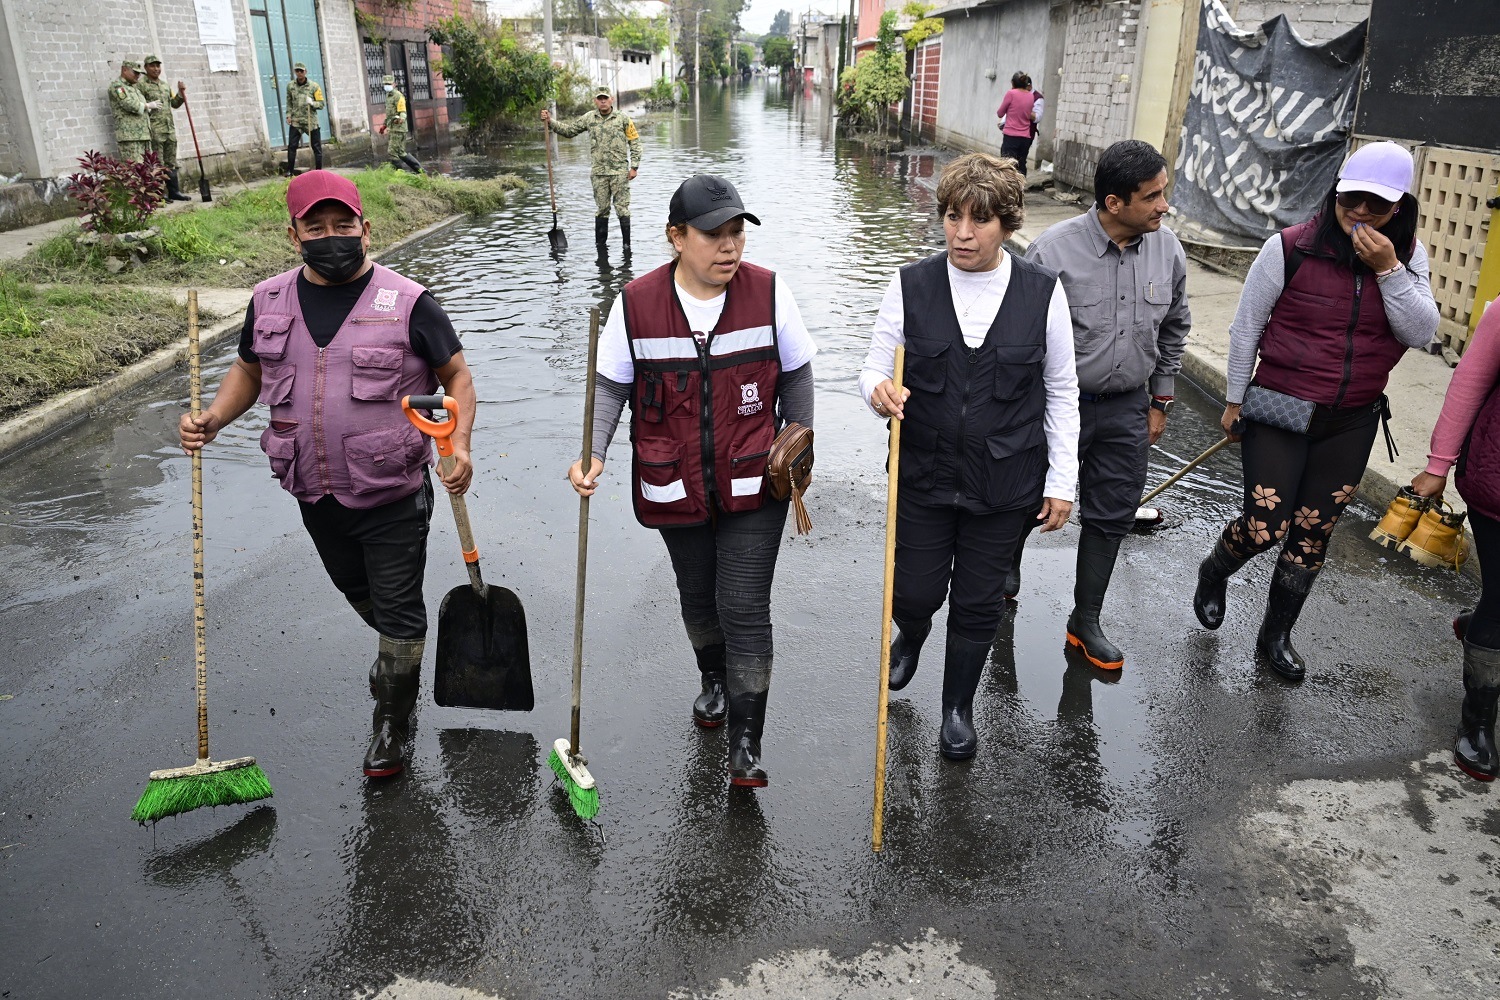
926,364
1016,369
268,339
377,373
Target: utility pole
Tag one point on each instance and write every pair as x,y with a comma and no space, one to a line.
547,28
697,50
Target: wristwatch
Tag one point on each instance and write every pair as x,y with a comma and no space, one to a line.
1162,403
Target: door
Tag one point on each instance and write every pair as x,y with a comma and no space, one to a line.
286,33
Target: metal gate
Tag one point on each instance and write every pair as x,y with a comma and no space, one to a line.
286,32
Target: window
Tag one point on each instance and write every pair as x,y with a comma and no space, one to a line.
416,71
374,70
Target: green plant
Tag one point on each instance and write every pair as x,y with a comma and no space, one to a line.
639,34
369,26
16,319
777,52
869,87
573,90
663,93
187,242
925,27
500,77
115,196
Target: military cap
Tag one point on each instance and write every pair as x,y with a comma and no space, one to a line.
389,78
301,66
602,92
130,64
151,59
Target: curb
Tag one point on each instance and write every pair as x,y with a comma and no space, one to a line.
61,412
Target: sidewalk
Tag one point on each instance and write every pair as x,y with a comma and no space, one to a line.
1415,390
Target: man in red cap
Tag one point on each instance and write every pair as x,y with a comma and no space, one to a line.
331,346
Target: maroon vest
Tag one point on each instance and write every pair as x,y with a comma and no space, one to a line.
339,407
1327,339
703,415
1477,474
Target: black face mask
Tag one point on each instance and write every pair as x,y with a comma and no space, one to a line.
335,258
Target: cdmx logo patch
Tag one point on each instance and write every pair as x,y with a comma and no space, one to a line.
750,399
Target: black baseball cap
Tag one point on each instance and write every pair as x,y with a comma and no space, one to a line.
706,201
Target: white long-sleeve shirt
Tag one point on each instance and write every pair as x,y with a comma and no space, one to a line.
983,291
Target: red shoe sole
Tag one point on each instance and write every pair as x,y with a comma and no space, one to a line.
703,724
749,782
1073,640
389,772
1476,775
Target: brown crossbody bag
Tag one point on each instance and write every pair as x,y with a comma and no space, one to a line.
789,468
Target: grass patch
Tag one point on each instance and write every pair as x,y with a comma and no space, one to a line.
242,239
56,339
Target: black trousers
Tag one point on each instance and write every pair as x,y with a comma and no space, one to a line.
1484,627
377,555
294,139
1017,148
1297,485
1114,445
724,572
946,553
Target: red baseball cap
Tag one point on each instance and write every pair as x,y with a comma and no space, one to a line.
306,190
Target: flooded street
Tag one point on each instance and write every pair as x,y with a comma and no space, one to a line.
1139,837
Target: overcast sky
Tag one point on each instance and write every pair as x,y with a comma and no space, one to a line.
756,17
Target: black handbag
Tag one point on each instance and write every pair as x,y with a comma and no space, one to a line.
1277,409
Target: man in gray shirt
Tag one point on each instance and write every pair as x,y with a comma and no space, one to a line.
1126,280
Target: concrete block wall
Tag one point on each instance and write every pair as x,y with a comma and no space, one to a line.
345,90
1315,20
1096,86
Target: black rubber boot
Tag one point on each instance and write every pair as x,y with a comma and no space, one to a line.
905,648
711,706
1474,750
749,681
625,234
174,189
1096,564
962,669
397,677
1289,587
1213,580
1013,578
412,163
601,236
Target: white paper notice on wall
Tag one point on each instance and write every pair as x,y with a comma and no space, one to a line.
216,33
222,58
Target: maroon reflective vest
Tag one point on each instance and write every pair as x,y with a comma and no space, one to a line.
336,422
703,411
1328,339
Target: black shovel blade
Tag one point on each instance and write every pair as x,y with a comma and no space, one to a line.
558,239
483,660
203,192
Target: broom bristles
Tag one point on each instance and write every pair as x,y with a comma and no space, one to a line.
170,796
585,801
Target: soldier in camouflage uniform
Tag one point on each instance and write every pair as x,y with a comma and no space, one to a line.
395,126
615,148
304,99
130,107
163,128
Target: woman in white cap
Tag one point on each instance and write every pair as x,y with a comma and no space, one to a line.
1329,307
711,353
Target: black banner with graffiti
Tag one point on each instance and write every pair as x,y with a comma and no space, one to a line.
1265,126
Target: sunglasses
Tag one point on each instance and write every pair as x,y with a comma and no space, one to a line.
1376,205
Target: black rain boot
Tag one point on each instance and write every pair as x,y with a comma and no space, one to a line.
625,234
905,648
1474,749
749,679
1013,578
412,163
174,189
601,236
1096,564
1289,587
711,706
398,675
1213,580
961,672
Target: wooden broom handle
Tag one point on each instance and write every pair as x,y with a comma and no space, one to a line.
583,530
200,616
893,473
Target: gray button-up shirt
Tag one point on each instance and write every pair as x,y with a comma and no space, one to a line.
1130,310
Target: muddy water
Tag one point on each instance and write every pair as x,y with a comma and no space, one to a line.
1090,821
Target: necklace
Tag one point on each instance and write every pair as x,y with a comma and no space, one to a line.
964,313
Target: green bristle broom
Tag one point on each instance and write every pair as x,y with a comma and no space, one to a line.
566,761
206,782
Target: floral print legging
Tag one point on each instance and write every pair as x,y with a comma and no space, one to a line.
1297,485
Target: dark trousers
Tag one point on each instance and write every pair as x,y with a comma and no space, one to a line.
1484,627
1297,485
1114,445
724,572
1017,148
294,139
945,553
377,556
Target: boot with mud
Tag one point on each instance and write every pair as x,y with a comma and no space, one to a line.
1474,750
1289,587
962,668
174,189
1096,564
749,679
397,678
711,707
1213,580
625,235
905,648
411,163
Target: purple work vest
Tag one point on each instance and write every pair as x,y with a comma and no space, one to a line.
1478,473
338,407
1328,339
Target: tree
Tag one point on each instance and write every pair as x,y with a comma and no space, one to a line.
924,28
499,77
639,34
715,21
781,24
777,52
869,87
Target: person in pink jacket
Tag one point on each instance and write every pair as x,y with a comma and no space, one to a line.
1467,435
1017,123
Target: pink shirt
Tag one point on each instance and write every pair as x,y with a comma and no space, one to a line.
1472,381
1015,108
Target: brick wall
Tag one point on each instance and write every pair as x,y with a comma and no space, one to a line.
402,25
924,90
1315,20
1096,86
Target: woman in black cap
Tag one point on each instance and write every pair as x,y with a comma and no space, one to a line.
712,356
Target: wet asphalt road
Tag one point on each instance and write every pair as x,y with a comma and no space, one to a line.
1110,838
